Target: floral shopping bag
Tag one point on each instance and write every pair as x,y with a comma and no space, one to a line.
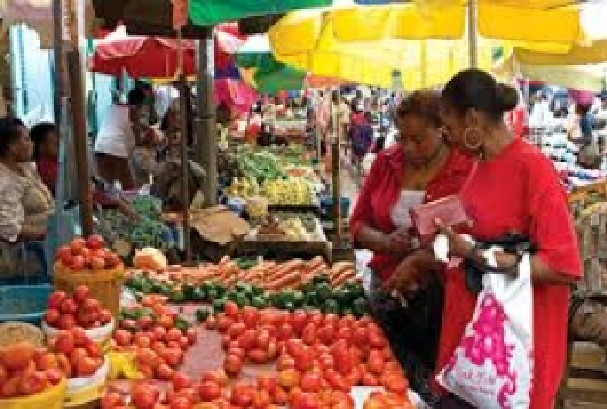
492,366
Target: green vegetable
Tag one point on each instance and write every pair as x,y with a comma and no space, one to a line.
212,294
241,300
203,313
219,304
259,302
177,296
181,323
323,291
198,294
331,307
360,307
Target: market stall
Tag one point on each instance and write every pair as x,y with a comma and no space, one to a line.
243,332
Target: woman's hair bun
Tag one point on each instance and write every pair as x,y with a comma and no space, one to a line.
507,97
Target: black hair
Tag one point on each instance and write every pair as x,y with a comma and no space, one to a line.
136,97
9,133
473,88
39,133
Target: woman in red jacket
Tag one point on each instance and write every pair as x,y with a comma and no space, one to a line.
514,189
420,168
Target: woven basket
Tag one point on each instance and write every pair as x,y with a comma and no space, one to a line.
104,285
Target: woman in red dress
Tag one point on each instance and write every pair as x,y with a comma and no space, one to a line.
514,189
419,168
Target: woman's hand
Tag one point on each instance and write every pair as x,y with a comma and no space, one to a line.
397,243
412,273
458,245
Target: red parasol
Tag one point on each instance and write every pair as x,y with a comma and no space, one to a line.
141,56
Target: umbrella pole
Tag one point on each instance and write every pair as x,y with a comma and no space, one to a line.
185,178
335,172
79,131
206,146
472,34
59,86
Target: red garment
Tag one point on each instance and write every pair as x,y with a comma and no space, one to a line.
519,191
381,191
48,169
517,121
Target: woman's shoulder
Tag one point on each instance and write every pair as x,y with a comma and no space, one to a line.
459,162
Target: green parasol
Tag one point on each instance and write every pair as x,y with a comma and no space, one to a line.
210,12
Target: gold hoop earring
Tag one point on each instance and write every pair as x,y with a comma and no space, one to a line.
471,144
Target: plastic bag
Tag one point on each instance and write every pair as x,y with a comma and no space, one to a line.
492,366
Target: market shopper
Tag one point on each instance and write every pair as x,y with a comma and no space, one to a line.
25,205
419,168
514,189
120,131
46,152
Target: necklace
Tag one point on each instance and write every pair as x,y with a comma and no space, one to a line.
435,155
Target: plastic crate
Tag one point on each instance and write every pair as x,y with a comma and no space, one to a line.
25,303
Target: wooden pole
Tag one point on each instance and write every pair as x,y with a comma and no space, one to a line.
79,121
206,144
184,99
472,37
59,86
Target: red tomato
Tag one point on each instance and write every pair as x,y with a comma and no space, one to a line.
64,343
267,383
172,356
209,391
369,379
52,316
242,395
17,356
308,335
262,339
123,337
95,242
310,382
77,245
86,366
32,383
164,372
184,342
375,362
92,305
81,293
285,332
80,337
64,365
78,263
181,381
394,382
105,316
192,335
232,365
304,360
299,319
55,299
93,349
145,395
112,400
258,356
250,316
112,260
236,330
247,339
98,263
68,306
181,402
231,309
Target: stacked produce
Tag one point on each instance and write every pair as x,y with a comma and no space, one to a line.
292,191
26,370
75,354
79,309
126,235
319,359
156,335
285,230
89,254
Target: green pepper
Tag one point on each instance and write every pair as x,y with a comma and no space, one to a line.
331,306
177,296
181,323
242,300
219,304
203,313
198,294
259,302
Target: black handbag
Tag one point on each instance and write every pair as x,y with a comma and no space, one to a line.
516,244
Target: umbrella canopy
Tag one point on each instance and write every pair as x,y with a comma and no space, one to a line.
576,55
234,94
306,41
268,75
210,12
544,21
140,56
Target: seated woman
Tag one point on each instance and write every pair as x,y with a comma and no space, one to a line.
25,204
419,168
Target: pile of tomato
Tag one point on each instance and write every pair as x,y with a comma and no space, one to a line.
158,345
319,358
76,310
75,354
89,254
25,370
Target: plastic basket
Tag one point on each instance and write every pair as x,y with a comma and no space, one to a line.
51,398
104,285
25,303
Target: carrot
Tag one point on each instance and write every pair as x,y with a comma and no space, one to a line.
341,278
283,281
